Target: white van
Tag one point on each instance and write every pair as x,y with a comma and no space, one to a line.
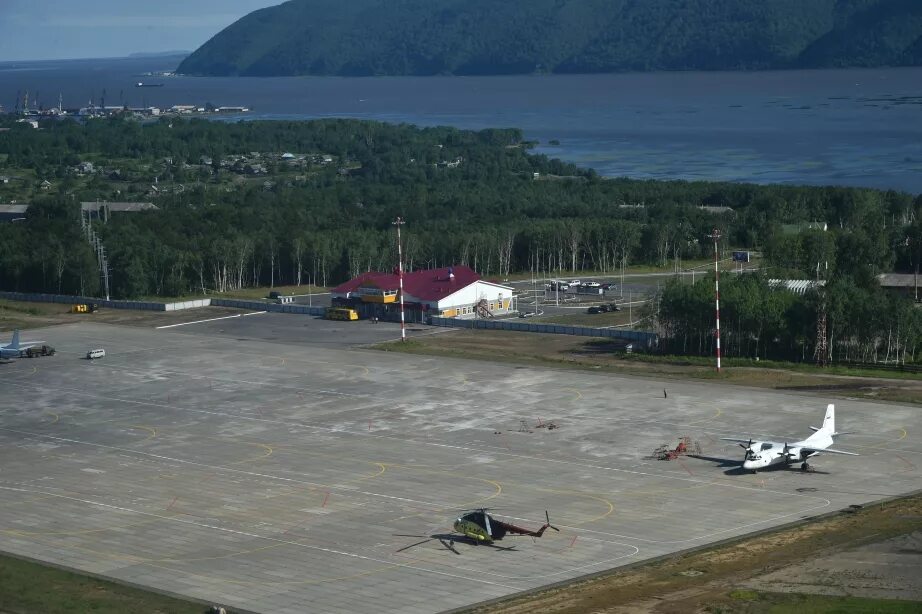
95,354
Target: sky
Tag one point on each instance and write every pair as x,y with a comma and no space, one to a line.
65,29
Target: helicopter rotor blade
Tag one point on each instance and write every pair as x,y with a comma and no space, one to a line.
450,545
414,545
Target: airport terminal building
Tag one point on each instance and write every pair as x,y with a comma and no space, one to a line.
451,292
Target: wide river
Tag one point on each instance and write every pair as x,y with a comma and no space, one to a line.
856,127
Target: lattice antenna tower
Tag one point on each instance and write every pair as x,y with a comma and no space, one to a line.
821,354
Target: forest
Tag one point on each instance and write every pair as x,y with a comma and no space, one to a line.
322,212
488,37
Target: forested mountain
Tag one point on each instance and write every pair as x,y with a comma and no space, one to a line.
481,37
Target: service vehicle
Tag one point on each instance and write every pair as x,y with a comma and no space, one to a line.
342,313
94,354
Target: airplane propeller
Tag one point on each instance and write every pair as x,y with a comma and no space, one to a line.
747,447
547,517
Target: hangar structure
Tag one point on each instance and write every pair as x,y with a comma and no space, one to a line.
450,292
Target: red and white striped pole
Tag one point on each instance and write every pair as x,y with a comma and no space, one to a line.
398,223
716,236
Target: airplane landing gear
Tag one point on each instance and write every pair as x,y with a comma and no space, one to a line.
805,467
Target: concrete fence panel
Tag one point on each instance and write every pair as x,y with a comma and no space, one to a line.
640,338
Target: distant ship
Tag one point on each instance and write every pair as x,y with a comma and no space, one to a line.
142,84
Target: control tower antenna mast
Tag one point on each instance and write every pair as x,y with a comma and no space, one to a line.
398,223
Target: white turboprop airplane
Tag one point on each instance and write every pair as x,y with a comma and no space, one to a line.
761,454
15,347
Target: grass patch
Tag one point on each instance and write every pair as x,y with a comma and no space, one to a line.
32,588
581,318
744,595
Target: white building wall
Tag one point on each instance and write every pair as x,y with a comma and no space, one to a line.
471,295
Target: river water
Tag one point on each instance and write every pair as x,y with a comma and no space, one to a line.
855,127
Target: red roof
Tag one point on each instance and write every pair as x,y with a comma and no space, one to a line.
428,285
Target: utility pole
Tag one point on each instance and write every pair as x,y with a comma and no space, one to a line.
398,223
715,235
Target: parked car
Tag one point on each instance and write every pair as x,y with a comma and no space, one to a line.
605,308
594,310
592,284
614,307
575,282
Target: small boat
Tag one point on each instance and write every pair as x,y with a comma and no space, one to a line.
142,84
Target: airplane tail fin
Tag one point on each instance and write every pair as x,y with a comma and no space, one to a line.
14,344
829,424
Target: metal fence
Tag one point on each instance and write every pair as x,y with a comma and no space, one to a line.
153,306
640,339
78,300
268,306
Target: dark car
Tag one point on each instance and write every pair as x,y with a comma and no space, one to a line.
594,310
605,308
614,307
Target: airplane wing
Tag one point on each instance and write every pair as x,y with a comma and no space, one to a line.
737,440
829,450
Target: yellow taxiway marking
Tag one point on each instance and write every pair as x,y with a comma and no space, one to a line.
903,435
269,450
56,416
151,430
579,395
577,493
716,415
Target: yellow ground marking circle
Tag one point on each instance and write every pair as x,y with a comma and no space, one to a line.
716,415
609,504
56,416
494,483
268,452
152,432
903,434
579,395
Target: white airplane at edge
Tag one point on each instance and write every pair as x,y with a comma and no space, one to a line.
15,347
761,454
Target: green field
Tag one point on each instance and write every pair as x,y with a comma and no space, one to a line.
32,588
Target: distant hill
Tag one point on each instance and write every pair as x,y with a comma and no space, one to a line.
488,37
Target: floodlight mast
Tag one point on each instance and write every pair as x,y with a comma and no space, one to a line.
398,223
715,235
